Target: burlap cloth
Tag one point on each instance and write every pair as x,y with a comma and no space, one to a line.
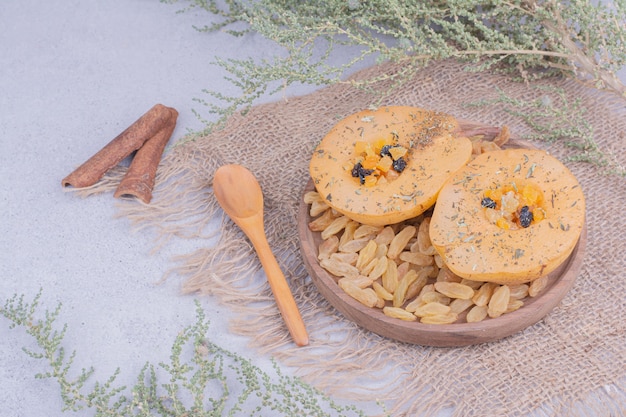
573,362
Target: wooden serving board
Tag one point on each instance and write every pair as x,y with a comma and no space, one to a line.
457,334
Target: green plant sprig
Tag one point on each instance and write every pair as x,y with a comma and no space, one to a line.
198,378
553,117
529,38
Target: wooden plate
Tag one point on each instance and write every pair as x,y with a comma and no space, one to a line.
457,334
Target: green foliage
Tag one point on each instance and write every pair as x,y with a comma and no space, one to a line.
553,117
198,379
527,38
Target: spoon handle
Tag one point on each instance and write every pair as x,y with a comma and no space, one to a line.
282,292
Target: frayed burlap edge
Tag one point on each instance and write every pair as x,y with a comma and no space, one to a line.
571,363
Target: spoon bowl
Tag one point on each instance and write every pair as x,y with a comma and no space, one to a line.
238,192
240,196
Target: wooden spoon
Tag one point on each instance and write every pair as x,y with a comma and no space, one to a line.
240,195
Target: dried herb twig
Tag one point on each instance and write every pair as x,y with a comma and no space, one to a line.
553,117
201,379
528,38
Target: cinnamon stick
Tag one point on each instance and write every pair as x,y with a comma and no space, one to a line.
119,148
139,179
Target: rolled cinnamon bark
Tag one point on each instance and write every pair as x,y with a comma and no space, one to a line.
119,148
139,180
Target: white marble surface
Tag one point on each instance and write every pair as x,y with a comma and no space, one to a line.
73,74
